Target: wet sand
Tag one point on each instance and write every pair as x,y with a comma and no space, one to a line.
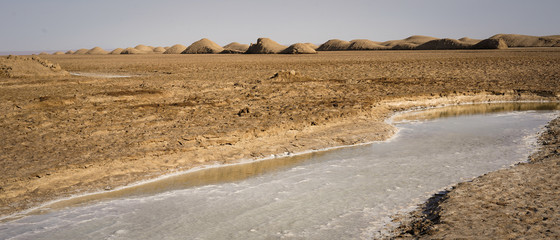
73,134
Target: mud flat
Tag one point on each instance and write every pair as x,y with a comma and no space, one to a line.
66,135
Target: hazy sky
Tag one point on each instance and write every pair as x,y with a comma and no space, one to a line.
72,24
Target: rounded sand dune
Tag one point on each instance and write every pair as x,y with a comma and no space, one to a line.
116,51
299,48
408,43
334,45
469,40
159,50
516,40
419,39
132,51
265,46
81,51
365,44
443,44
203,46
491,44
311,45
235,46
404,46
144,48
97,51
175,49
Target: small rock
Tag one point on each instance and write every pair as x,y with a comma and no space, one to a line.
243,111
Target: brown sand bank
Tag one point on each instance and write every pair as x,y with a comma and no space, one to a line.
65,135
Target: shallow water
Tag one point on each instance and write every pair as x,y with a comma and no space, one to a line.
346,193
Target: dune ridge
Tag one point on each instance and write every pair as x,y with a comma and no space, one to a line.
203,46
175,49
265,46
414,42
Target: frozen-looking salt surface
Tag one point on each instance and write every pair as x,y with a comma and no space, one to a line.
99,75
346,193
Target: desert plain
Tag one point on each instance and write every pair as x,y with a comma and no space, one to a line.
74,124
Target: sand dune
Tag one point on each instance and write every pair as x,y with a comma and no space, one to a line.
419,39
19,66
203,46
265,46
415,42
299,48
365,44
58,53
516,40
334,45
443,44
469,40
491,44
175,49
311,45
159,50
144,48
97,51
116,51
236,47
404,46
81,51
132,51
408,43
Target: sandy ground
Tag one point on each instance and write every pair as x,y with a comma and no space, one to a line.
64,135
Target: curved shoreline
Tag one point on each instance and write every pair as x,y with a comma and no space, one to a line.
418,104
516,202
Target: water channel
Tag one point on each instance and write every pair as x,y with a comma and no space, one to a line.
346,193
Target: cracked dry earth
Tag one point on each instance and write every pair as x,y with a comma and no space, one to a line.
66,134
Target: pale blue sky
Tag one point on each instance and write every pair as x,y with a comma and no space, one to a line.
72,24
